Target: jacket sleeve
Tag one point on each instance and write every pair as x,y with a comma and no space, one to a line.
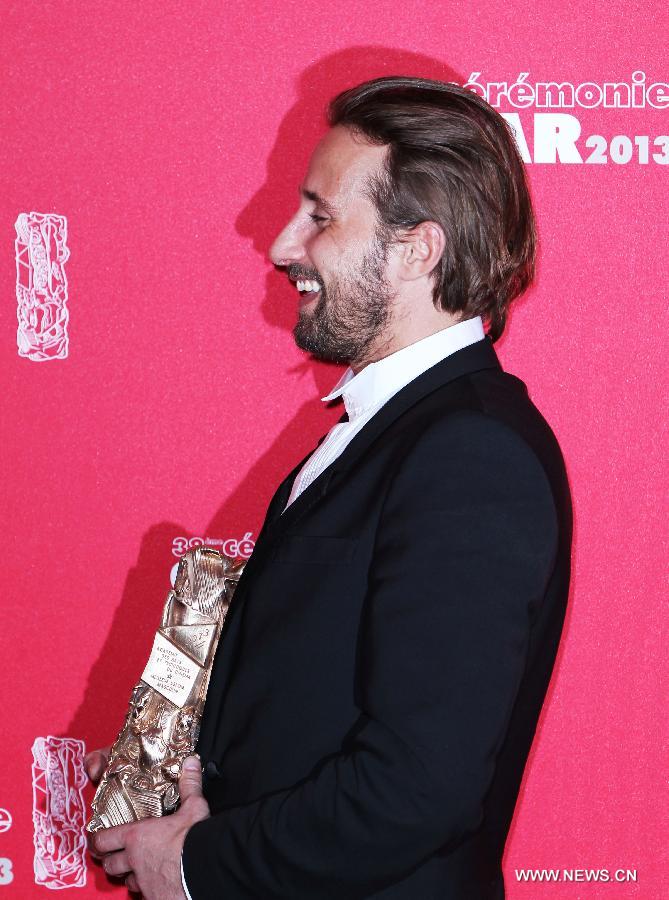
465,546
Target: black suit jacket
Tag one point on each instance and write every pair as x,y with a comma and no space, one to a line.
387,653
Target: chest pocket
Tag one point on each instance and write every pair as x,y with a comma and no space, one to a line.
307,549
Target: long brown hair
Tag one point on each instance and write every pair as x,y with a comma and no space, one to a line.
452,159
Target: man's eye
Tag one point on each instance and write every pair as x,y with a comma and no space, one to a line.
317,218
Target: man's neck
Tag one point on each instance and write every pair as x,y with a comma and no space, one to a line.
403,334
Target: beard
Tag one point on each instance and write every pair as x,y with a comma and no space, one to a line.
351,314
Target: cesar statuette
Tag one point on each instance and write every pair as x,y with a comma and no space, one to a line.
162,723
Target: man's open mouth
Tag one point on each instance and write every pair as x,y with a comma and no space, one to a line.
308,287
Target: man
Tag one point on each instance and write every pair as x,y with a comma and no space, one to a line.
387,654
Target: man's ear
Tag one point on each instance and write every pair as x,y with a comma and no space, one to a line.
421,249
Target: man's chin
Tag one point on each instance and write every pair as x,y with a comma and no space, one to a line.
307,340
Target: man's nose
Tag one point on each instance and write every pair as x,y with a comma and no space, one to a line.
287,247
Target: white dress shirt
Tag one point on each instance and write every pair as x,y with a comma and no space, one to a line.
365,393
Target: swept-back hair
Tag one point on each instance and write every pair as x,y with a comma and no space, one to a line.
452,159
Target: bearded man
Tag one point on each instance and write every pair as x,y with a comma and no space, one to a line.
391,641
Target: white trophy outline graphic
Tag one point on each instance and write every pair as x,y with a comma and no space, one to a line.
59,812
41,286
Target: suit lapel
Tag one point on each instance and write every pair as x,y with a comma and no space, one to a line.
209,737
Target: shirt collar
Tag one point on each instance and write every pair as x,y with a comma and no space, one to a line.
378,381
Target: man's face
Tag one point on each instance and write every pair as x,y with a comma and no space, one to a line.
333,244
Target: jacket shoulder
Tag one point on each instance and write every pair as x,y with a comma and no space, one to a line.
489,413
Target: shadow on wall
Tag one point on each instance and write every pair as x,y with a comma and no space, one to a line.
126,649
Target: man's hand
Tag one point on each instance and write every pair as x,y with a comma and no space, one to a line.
149,851
95,763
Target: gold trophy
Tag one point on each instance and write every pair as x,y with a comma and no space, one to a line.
163,719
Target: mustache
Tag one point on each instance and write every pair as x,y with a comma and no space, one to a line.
295,271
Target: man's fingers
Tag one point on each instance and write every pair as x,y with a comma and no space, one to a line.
190,782
109,840
116,864
91,848
95,763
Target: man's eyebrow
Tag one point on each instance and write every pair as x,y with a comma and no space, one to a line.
316,198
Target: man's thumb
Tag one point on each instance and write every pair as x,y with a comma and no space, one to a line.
190,782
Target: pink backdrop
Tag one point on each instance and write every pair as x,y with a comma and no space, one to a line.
172,137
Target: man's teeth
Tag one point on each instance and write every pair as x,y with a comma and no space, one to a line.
313,286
